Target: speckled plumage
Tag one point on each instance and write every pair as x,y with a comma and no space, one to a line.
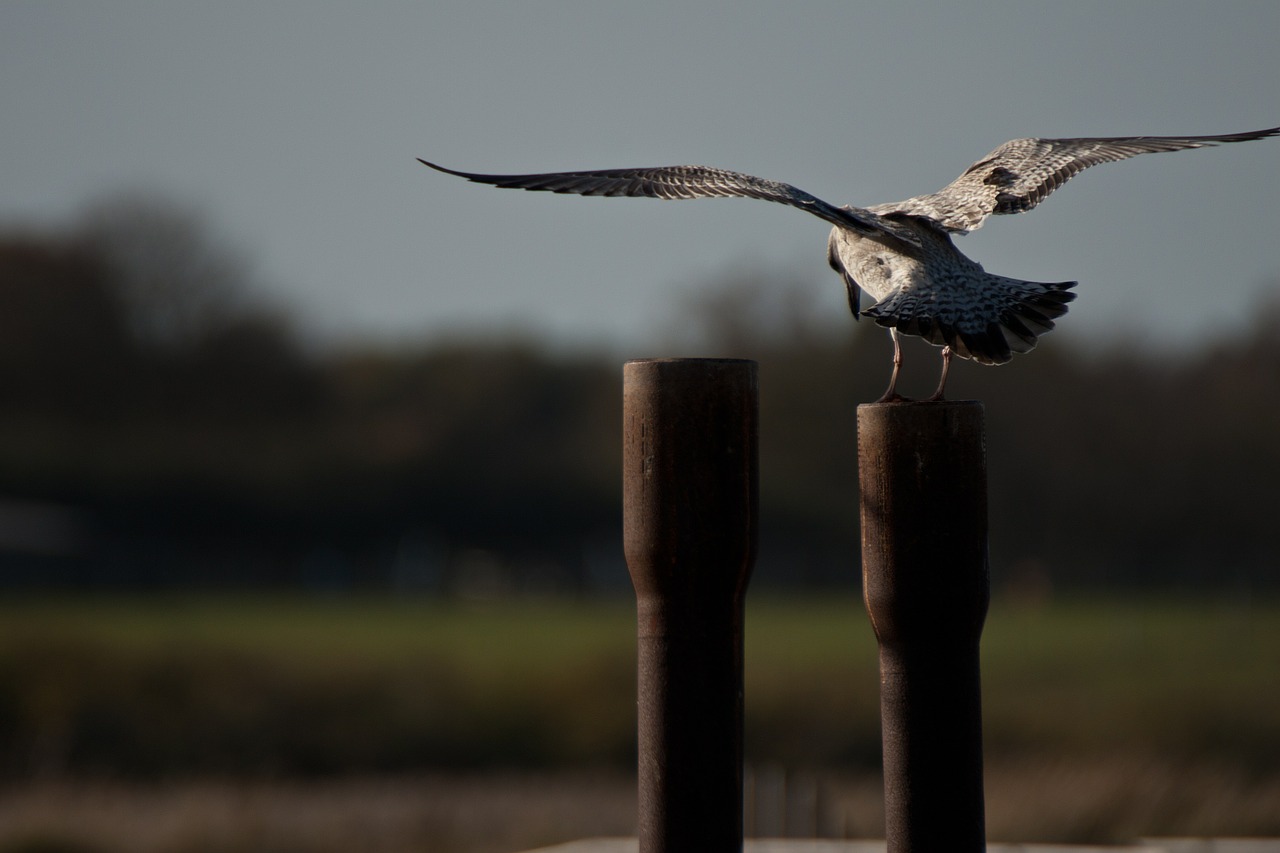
901,254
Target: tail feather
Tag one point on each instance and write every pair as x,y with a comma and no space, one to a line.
987,323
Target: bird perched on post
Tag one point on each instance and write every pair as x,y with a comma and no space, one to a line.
901,254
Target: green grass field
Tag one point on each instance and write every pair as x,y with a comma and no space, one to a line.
1104,719
163,685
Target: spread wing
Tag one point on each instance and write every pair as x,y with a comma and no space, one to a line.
1022,172
685,182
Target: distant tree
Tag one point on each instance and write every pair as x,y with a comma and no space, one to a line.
144,381
66,349
179,281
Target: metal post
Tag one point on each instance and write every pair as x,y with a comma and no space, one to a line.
690,498
922,474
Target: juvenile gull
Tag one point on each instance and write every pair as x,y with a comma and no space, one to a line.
901,254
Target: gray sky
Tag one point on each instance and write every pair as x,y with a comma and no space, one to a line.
294,126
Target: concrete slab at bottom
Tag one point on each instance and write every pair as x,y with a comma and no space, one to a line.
751,845
787,845
1214,845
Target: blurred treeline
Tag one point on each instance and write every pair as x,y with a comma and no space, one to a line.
161,426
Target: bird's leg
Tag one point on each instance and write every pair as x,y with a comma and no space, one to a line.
891,394
942,381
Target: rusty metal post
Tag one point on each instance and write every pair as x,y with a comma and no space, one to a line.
689,528
922,475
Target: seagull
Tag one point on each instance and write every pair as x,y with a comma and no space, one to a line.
901,254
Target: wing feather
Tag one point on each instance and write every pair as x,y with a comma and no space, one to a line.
688,182
1021,173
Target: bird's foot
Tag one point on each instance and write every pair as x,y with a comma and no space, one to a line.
894,397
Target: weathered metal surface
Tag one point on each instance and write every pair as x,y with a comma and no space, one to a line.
922,476
690,499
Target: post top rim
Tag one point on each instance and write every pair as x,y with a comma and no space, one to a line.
692,360
920,404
